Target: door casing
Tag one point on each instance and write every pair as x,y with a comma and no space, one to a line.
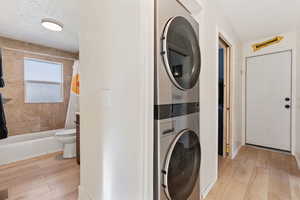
227,122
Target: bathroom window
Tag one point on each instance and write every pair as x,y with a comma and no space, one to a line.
43,81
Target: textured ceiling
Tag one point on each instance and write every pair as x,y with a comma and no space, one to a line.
254,19
21,19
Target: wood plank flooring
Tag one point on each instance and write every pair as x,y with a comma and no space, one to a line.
42,178
257,174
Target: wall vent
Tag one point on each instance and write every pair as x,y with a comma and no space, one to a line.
267,43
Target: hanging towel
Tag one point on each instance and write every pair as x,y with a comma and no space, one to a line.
73,107
3,128
2,84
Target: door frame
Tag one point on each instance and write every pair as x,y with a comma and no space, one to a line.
292,98
228,86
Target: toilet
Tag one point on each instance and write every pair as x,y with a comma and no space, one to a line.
67,137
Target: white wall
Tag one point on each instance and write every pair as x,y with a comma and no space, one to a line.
289,42
212,21
297,108
116,100
114,95
226,30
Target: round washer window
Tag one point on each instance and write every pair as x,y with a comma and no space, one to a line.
181,53
182,166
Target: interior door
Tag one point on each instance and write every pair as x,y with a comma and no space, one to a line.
268,100
221,103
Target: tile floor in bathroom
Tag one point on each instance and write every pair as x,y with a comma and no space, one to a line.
42,178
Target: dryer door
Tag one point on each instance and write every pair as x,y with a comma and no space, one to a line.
182,166
181,53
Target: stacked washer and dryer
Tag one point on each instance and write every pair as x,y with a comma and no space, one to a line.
177,156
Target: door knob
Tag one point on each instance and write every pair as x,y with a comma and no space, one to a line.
287,99
287,106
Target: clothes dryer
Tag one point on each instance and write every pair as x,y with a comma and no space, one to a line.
178,57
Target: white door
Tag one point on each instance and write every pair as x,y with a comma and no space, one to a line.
268,100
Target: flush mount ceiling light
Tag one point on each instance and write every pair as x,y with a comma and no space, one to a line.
52,24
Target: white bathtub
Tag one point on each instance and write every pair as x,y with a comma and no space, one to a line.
22,147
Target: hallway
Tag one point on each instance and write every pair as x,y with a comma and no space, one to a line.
257,174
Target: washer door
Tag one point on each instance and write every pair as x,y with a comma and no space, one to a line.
181,53
182,166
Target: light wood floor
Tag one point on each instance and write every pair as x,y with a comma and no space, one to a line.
43,178
257,174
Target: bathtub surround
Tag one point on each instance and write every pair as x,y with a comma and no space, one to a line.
29,118
7,43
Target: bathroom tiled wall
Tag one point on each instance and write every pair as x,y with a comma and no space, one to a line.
23,117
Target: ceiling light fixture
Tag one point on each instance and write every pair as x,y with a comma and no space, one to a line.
52,25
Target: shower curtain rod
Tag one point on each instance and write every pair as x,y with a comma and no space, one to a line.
39,54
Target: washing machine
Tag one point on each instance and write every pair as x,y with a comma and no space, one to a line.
179,159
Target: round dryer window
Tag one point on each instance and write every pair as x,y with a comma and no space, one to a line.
181,53
182,166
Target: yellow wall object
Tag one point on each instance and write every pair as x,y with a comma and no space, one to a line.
75,84
264,44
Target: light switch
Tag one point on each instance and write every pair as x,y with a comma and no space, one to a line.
106,97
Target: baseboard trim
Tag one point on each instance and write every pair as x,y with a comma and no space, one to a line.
205,192
83,194
235,152
268,148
